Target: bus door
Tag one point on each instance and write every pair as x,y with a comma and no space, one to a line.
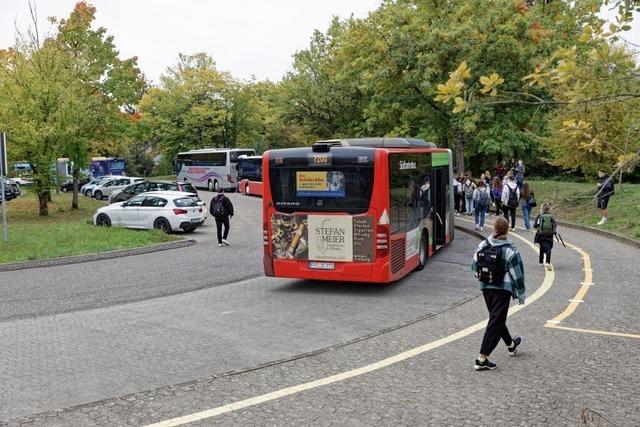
440,178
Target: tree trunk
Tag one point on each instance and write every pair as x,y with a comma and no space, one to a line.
48,195
74,199
42,199
459,150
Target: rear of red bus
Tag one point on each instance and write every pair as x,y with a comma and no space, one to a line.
325,214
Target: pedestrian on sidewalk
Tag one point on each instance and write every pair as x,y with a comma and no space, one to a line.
527,203
510,200
519,173
546,225
457,195
221,209
500,170
481,198
605,191
468,188
498,265
497,194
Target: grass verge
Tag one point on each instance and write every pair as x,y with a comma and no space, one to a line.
574,202
65,231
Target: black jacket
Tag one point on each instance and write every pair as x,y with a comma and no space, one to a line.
226,205
606,190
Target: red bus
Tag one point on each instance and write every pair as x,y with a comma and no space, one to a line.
361,210
250,175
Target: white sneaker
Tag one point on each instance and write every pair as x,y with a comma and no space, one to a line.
603,221
481,228
224,242
549,267
219,245
477,227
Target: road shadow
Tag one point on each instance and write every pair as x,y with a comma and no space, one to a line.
339,288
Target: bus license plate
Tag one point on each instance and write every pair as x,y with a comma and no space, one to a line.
316,265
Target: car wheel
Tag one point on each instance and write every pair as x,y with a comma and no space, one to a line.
87,193
163,225
98,195
65,190
423,252
103,220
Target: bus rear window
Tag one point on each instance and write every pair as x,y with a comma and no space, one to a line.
334,188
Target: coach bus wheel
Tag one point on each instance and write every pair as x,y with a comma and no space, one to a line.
215,185
246,189
210,185
422,255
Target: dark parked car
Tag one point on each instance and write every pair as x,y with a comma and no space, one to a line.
146,186
68,185
11,190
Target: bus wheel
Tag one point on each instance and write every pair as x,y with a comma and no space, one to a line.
210,185
246,189
423,253
215,185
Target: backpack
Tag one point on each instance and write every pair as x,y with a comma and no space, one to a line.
483,199
217,207
497,193
490,267
547,225
513,197
468,192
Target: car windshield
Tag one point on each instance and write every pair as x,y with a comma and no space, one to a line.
186,202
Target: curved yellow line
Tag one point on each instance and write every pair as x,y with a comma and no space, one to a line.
288,391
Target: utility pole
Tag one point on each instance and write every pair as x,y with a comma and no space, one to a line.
3,173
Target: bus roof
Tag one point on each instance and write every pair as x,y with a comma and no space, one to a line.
214,150
375,143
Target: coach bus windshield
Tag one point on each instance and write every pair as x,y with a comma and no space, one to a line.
338,182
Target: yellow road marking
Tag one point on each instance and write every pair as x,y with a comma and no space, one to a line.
256,400
594,331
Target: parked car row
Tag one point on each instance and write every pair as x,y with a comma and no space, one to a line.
164,210
147,186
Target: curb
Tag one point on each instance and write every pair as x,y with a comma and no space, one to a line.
77,259
469,231
609,234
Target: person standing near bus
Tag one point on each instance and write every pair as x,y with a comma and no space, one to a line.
481,200
222,210
468,188
498,265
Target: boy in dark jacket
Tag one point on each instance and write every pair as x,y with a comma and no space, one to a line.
221,209
605,191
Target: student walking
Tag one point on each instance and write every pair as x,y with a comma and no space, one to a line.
497,194
498,265
481,198
605,191
528,202
546,225
457,194
468,188
510,200
222,210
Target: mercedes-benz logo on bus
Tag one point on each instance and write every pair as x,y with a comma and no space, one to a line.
319,203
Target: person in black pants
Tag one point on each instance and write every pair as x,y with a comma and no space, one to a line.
222,210
545,234
510,200
498,255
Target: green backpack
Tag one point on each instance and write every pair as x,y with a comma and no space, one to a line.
547,225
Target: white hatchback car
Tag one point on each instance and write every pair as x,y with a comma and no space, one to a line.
105,188
165,210
88,188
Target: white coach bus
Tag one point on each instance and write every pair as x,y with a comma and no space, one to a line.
211,168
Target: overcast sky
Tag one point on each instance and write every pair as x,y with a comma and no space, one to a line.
245,37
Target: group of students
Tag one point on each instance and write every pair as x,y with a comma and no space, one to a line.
475,197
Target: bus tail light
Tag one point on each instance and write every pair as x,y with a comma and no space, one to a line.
265,237
180,211
382,241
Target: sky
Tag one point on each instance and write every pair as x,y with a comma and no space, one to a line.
245,37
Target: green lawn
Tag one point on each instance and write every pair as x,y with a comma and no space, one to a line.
65,231
574,202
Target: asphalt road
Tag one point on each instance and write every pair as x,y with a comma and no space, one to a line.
120,326
132,357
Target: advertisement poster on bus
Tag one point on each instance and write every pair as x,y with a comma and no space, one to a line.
320,184
322,237
413,243
289,236
331,238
